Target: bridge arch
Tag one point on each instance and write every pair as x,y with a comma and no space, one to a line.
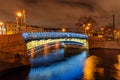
40,38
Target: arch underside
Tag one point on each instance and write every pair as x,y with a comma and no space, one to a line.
74,41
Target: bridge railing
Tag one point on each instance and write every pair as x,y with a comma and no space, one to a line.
51,35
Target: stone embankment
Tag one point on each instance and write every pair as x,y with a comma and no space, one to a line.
13,53
12,43
96,42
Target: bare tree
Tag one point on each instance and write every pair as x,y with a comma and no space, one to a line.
82,22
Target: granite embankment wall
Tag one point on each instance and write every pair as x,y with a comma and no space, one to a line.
13,49
95,42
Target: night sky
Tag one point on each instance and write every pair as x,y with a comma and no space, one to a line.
57,13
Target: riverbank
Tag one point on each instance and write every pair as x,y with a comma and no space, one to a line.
103,43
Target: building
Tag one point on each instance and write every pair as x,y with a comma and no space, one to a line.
13,28
56,29
2,29
34,29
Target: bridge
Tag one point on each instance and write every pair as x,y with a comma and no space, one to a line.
40,38
16,45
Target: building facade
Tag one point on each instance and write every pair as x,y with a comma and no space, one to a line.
56,29
2,29
34,29
13,28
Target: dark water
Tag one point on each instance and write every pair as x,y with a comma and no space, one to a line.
70,64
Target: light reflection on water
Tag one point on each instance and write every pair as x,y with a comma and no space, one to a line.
101,64
117,67
90,67
40,60
70,69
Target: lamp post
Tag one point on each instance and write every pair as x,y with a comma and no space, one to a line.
86,27
21,18
19,15
24,16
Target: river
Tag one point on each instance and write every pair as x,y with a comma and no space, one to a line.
63,63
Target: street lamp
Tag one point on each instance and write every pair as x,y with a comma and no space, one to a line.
1,23
63,30
101,28
86,28
89,24
19,15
